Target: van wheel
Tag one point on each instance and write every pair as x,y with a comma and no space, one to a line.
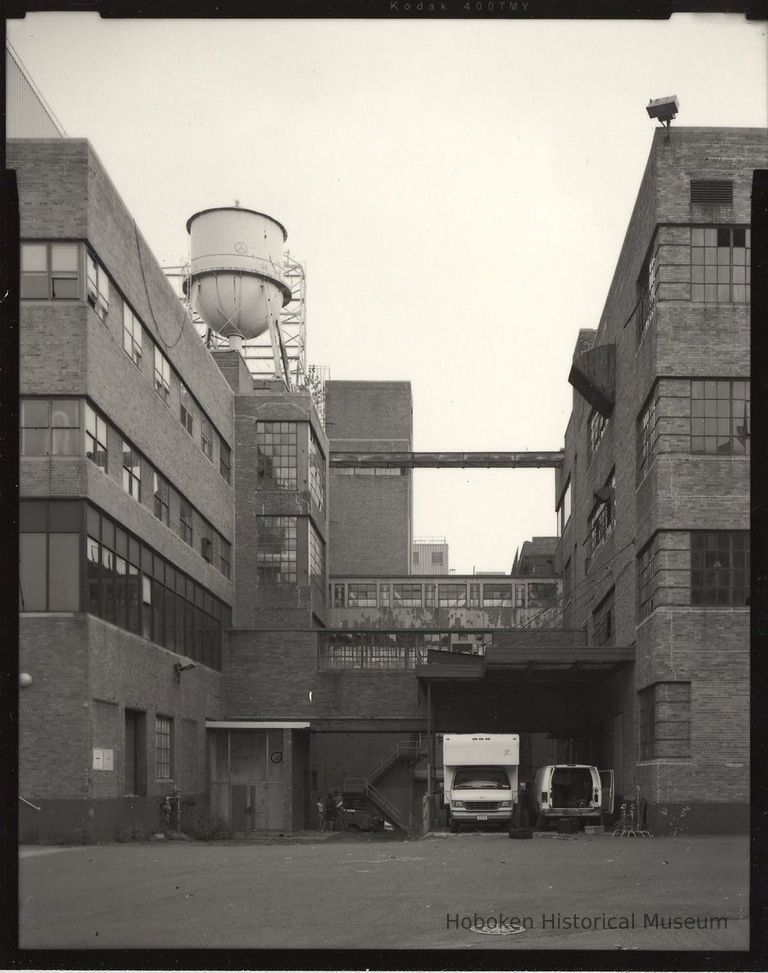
454,827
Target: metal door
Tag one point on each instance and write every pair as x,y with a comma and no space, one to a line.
606,783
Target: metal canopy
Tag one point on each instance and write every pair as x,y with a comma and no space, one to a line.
411,460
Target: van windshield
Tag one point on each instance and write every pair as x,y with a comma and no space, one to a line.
572,787
481,778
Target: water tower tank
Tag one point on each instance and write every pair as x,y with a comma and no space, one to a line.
236,278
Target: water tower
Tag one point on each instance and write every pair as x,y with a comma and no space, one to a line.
236,283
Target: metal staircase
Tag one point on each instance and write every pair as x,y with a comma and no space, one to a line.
411,750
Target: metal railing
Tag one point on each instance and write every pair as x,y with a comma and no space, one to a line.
365,785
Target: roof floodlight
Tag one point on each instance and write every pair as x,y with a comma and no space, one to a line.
665,109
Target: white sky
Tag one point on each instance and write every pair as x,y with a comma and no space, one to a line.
458,191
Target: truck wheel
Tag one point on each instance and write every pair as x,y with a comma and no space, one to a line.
454,826
353,827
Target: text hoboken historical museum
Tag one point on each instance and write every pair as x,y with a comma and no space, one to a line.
557,921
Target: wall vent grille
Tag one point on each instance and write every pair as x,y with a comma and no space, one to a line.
712,192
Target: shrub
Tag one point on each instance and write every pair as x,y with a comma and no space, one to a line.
203,825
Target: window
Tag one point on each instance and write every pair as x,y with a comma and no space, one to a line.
542,594
49,572
370,471
665,720
603,621
185,409
429,595
603,516
474,596
225,557
131,470
225,461
50,427
206,540
720,264
451,596
720,568
337,596
415,557
497,596
316,471
276,561
646,434
361,595
597,424
95,438
132,335
437,557
406,595
50,271
161,490
384,595
96,286
186,522
647,285
567,582
162,376
206,437
163,727
277,454
316,558
720,417
646,579
564,508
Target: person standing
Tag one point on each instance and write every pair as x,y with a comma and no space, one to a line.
330,811
320,814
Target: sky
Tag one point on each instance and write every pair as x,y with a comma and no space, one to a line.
457,190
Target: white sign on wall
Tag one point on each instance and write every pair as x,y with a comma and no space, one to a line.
103,759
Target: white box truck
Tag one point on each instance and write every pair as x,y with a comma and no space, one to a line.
480,777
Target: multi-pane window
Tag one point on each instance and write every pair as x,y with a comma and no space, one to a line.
132,335
603,619
720,568
564,508
185,409
385,595
452,596
186,522
429,595
225,460
316,558
361,595
603,516
497,596
131,470
206,540
206,437
338,599
162,376
474,595
50,271
646,294
370,470
597,424
225,557
50,427
161,500
720,264
665,720
720,417
276,560
49,556
277,453
437,557
646,579
406,595
646,434
96,286
163,727
542,594
316,471
95,438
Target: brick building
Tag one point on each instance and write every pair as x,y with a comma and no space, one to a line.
211,605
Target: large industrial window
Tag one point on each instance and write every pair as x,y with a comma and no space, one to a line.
451,596
95,438
50,271
720,568
206,437
603,621
542,594
647,285
96,286
49,572
406,595
603,517
225,557
646,579
564,508
206,540
316,471
132,335
597,424
316,558
385,595
665,720
370,470
646,434
186,522
720,264
163,726
50,427
225,460
429,595
474,595
161,490
720,417
185,409
498,596
338,599
361,595
131,470
276,559
277,454
162,376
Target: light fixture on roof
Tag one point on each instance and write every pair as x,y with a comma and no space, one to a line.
665,109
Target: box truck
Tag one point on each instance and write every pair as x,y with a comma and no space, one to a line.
480,777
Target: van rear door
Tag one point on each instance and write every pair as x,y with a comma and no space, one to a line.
606,783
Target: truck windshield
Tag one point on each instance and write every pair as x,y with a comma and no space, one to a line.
481,778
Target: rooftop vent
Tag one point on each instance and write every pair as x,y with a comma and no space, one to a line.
712,192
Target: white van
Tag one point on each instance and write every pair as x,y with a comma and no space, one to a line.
569,791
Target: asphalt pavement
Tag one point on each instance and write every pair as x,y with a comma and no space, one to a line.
466,891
